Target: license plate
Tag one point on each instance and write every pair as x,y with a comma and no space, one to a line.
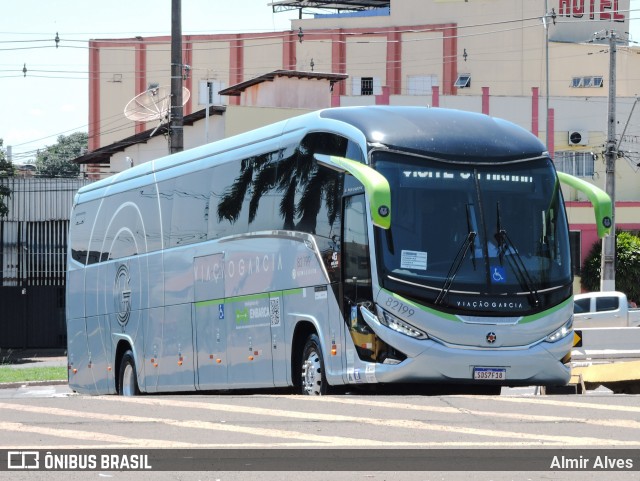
490,373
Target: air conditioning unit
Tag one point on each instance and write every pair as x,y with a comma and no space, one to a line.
578,137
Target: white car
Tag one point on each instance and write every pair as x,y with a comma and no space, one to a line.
604,309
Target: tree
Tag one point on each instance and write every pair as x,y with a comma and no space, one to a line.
627,266
57,160
6,170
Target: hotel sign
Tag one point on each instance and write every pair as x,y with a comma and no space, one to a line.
593,9
578,20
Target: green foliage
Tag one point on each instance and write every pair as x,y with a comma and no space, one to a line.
627,266
6,170
590,273
57,160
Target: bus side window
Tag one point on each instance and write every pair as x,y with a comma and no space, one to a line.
355,250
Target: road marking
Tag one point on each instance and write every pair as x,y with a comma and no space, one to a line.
570,404
511,438
118,441
533,439
619,423
194,424
84,435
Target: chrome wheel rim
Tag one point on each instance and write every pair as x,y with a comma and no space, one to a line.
312,375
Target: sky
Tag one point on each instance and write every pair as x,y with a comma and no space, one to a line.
52,99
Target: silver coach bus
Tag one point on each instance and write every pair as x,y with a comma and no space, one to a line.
346,246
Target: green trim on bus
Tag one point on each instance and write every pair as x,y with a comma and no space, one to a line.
540,315
210,302
249,297
448,317
599,199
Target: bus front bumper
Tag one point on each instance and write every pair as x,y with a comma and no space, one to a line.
430,361
539,365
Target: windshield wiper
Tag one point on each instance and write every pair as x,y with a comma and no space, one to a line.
506,246
457,261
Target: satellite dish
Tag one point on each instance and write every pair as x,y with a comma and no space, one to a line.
152,104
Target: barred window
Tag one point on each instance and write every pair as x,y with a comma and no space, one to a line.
367,86
580,164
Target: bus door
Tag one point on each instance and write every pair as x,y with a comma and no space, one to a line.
356,276
210,324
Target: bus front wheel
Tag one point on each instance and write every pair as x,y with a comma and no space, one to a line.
314,382
128,379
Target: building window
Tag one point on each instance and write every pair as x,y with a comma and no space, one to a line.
366,86
579,164
421,84
463,81
587,82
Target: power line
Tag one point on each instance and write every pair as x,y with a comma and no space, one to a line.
285,36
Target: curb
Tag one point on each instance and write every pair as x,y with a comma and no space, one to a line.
18,384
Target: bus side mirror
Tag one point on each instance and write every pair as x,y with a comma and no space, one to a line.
375,185
599,199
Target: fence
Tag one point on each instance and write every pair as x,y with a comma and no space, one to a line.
33,260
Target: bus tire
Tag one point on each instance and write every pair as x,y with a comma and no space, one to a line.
128,378
314,381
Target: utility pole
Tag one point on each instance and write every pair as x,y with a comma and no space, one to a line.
545,21
176,124
608,256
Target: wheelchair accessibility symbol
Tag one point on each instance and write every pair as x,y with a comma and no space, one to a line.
498,274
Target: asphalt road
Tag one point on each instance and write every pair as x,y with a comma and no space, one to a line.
353,426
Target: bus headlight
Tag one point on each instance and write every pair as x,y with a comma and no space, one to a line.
392,322
561,332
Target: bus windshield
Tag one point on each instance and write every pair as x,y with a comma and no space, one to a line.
461,232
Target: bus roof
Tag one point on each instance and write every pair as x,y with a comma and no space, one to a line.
442,133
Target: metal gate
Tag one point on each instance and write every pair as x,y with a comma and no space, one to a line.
32,317
33,260
32,292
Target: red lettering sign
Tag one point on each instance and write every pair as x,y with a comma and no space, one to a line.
596,10
564,8
606,5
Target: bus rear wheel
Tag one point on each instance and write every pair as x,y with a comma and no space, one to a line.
314,381
128,378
